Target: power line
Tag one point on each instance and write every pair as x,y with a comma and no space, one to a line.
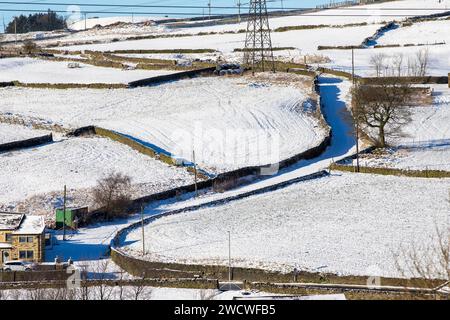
197,13
214,7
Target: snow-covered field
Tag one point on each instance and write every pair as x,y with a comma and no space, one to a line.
439,64
107,21
229,122
11,133
346,224
419,33
78,163
307,40
29,70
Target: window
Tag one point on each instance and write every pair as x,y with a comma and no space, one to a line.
8,237
26,239
25,255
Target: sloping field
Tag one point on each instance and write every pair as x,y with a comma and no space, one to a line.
79,163
230,123
346,224
11,133
307,40
29,70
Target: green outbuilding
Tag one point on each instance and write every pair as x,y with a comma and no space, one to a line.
71,218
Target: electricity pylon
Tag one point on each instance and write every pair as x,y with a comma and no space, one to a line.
258,43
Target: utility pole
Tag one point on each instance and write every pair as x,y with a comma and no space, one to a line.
64,213
143,231
358,168
209,7
195,173
85,21
229,257
258,51
15,31
239,11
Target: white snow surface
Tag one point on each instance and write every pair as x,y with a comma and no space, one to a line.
428,32
106,21
79,163
346,224
307,40
30,70
12,133
230,123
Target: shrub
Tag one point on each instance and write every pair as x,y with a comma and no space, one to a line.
112,194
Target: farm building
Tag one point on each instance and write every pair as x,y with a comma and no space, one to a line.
22,237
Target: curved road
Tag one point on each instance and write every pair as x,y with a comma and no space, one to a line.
93,242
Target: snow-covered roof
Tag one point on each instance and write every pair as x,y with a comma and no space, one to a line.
10,221
31,225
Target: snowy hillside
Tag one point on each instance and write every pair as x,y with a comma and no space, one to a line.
107,21
230,123
79,163
346,224
29,70
11,133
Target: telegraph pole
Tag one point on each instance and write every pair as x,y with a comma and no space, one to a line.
195,173
85,21
15,31
258,51
209,7
64,213
229,257
358,168
143,231
239,11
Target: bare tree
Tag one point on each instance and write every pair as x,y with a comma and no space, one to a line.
112,194
378,62
423,57
382,110
139,288
397,64
428,264
37,294
206,295
103,289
